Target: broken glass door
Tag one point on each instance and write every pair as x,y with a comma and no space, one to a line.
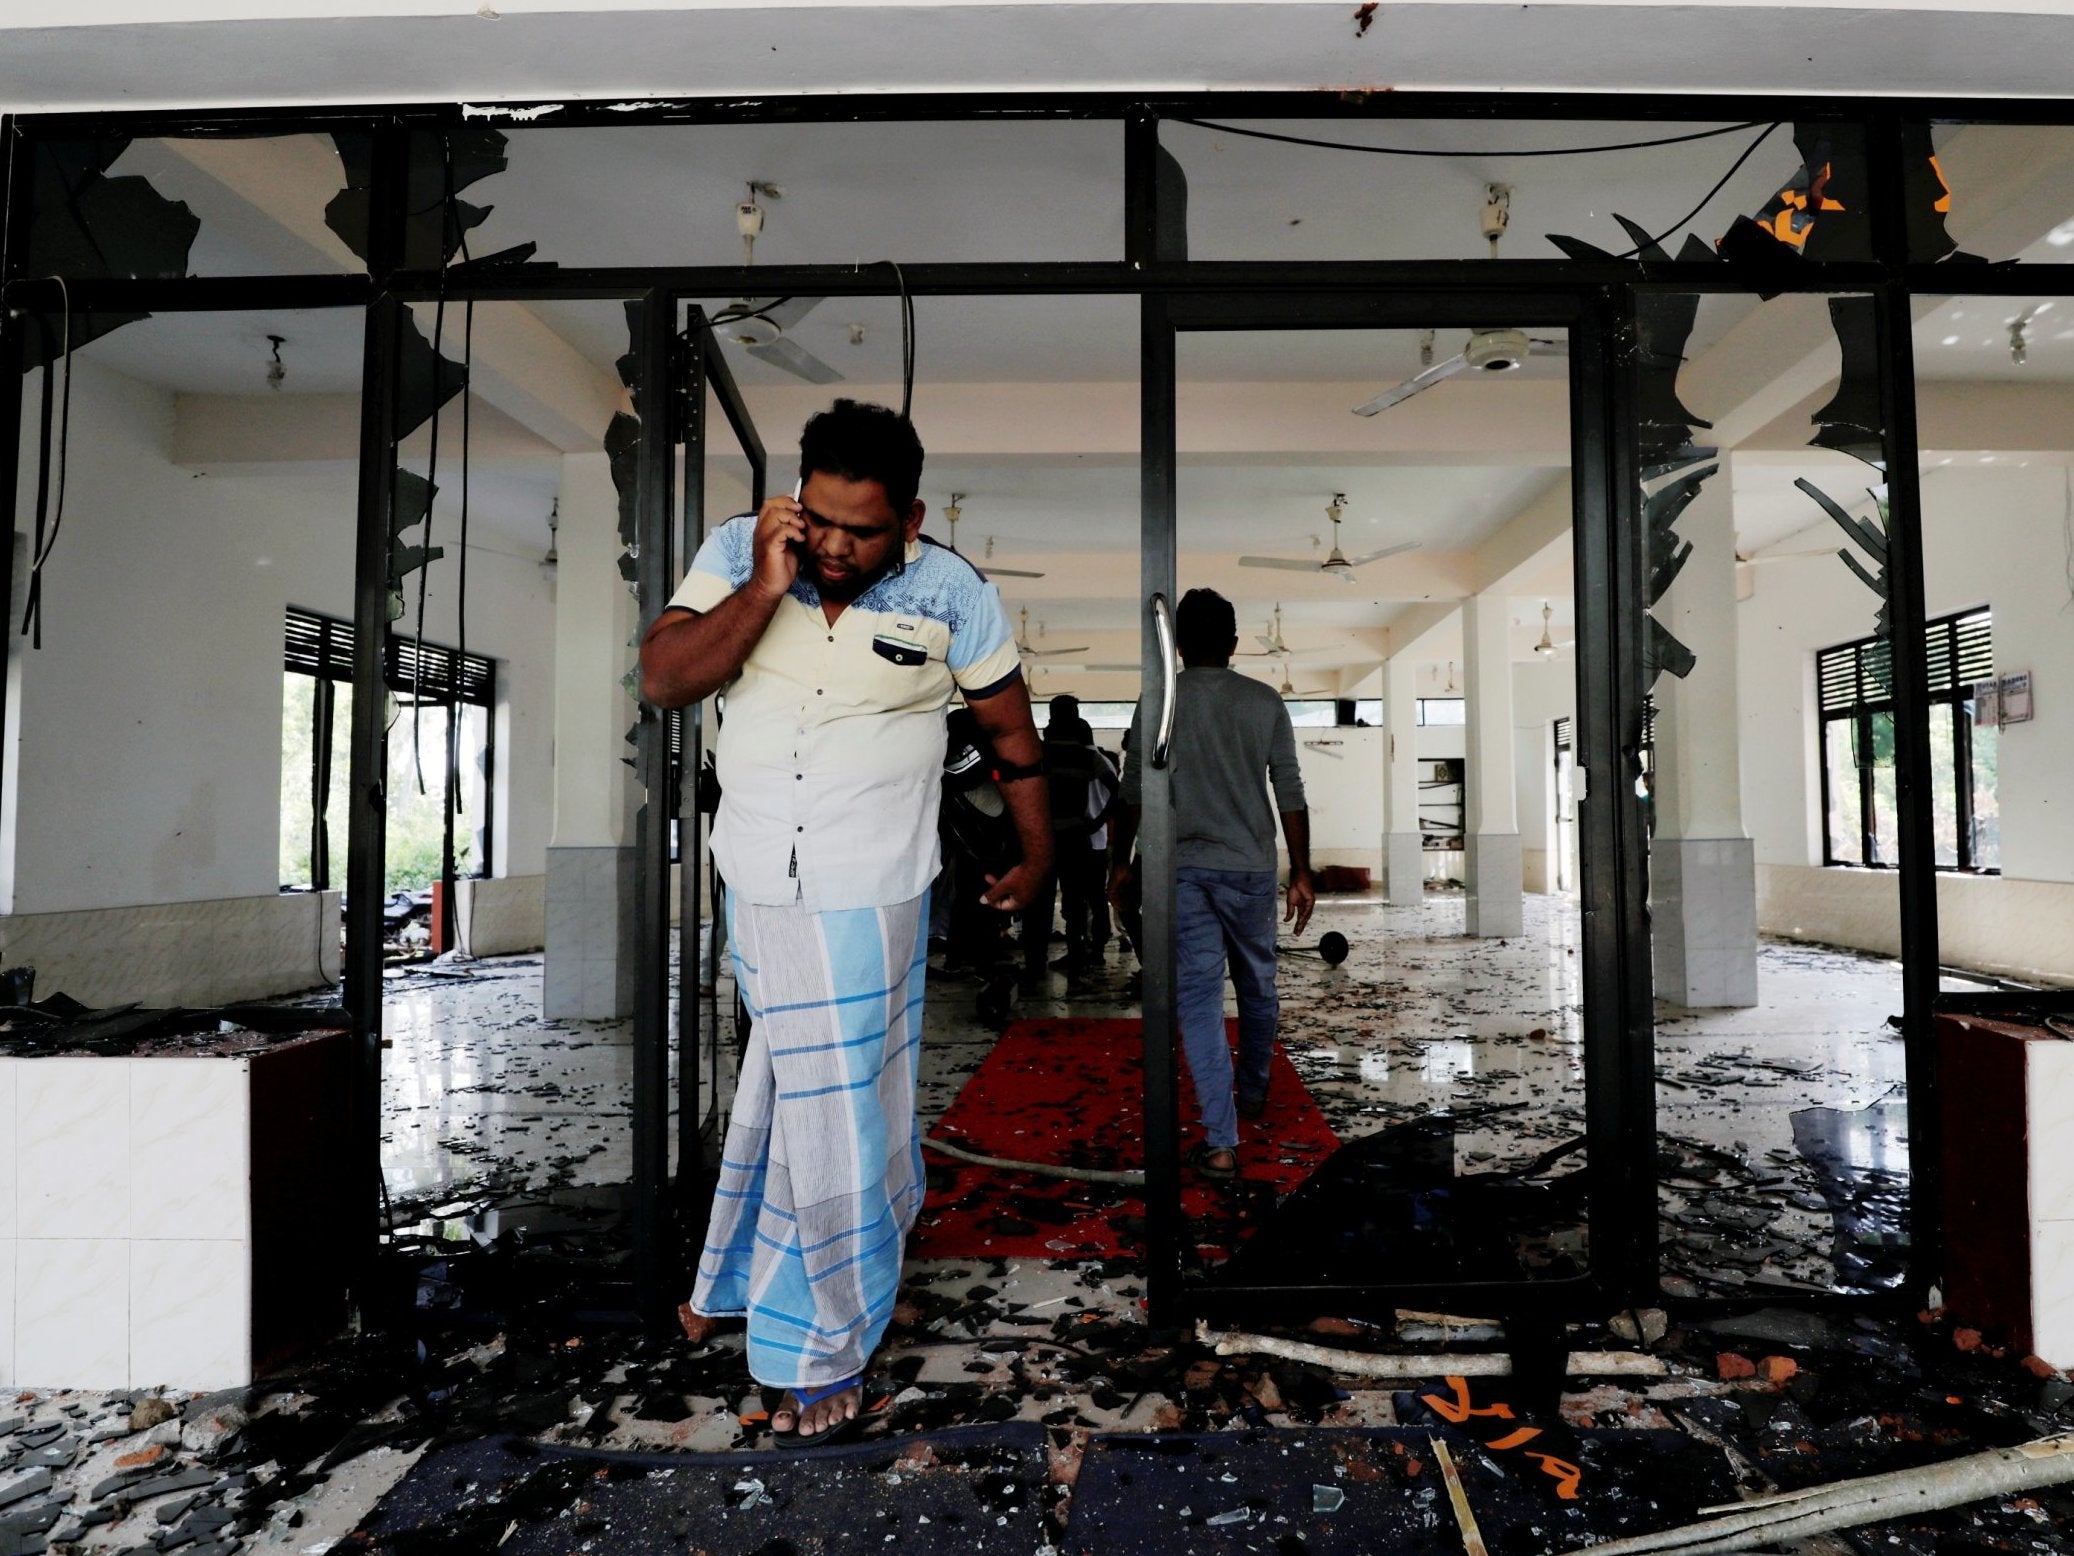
1384,491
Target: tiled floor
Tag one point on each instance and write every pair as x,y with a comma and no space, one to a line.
480,1089
486,1101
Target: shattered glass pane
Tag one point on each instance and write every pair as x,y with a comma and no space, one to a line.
259,200
1773,973
1990,375
1401,189
1989,192
668,195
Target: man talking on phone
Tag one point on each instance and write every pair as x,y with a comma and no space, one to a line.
840,636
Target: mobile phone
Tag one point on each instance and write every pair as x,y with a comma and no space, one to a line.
797,485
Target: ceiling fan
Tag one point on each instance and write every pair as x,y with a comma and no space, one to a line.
1270,641
1485,351
1336,563
951,514
759,324
1288,689
1022,643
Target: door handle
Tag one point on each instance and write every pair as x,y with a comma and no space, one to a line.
1163,624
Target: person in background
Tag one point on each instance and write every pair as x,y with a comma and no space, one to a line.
1232,741
1082,786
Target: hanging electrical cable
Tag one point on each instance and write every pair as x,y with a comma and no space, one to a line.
458,679
1719,185
32,614
907,342
1421,151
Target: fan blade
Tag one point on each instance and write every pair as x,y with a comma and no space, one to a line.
797,360
1267,644
1132,668
1412,386
1548,348
1008,572
1286,563
1054,653
1377,556
784,312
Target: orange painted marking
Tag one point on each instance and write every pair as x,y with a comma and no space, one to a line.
1518,1439
1567,1474
1459,1409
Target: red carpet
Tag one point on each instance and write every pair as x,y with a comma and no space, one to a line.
1071,1092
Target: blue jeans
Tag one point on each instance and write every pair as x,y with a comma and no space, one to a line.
1220,914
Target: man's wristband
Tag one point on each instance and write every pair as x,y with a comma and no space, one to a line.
1009,772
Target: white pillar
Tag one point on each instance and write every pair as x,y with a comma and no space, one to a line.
1492,832
589,965
1404,859
1702,866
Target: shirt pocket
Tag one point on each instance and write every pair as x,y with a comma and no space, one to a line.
901,651
902,668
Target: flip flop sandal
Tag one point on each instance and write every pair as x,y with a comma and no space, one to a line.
842,1431
1200,1159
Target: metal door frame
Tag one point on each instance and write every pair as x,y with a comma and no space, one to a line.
1619,1081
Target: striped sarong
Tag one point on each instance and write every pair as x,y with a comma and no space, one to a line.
821,1174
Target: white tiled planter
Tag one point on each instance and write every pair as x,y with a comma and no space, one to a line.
131,1252
2007,1099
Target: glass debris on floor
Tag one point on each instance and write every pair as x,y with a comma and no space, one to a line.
506,1156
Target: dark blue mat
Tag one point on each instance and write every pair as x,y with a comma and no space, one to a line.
1253,1491
964,1489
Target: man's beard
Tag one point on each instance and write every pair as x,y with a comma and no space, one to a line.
848,589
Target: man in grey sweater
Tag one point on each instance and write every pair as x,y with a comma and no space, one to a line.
1232,738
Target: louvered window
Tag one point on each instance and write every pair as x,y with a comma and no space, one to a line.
1855,690
443,735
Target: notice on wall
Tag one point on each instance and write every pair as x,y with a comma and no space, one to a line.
2016,698
1987,704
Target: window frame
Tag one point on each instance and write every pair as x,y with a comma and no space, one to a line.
321,647
1950,646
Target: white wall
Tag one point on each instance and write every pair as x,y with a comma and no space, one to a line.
1543,690
149,725
1995,536
1343,785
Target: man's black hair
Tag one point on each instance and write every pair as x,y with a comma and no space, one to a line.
1206,627
863,442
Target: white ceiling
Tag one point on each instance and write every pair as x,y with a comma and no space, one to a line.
87,53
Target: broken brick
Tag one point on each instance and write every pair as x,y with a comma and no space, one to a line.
1730,1366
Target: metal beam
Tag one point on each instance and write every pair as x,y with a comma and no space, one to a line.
691,841
1674,111
654,397
1914,778
1159,558
14,241
366,800
1610,562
